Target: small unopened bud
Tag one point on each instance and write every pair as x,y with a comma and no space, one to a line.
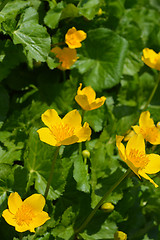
86,153
158,125
107,207
119,235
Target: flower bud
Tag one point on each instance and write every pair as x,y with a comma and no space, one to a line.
119,235
107,207
86,153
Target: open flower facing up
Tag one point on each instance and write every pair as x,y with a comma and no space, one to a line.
67,57
25,215
146,127
65,131
135,157
151,58
86,98
73,38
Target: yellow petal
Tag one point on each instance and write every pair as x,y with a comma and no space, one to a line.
82,100
97,103
137,143
14,202
9,217
46,136
137,129
121,147
73,119
143,174
39,220
22,228
153,165
90,93
36,202
50,117
84,133
145,121
68,141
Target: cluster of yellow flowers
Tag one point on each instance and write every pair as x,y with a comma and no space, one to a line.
134,154
68,55
28,214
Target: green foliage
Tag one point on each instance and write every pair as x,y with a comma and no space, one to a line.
110,62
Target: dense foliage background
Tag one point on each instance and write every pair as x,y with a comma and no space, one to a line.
110,62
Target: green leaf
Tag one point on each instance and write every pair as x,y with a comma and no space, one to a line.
38,160
89,8
4,104
70,11
33,37
102,58
80,173
53,15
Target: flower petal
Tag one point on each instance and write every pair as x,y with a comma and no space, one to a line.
50,117
9,217
22,228
84,133
14,202
73,119
82,100
97,103
145,120
90,93
39,220
143,174
137,143
68,141
36,202
46,136
121,147
153,165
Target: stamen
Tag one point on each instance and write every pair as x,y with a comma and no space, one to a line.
138,158
150,134
24,215
62,131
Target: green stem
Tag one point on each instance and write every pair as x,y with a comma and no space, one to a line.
51,172
88,219
20,236
152,93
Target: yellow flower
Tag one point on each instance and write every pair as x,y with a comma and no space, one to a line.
25,215
119,235
73,38
151,58
67,57
135,157
86,98
64,131
146,127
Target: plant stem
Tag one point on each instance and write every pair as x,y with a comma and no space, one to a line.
88,219
20,236
152,93
3,4
51,172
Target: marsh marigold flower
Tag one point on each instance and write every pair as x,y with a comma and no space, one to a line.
151,58
86,98
73,38
67,57
135,157
25,215
150,132
65,131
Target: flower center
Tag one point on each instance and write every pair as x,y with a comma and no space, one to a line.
62,131
150,134
24,215
138,158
